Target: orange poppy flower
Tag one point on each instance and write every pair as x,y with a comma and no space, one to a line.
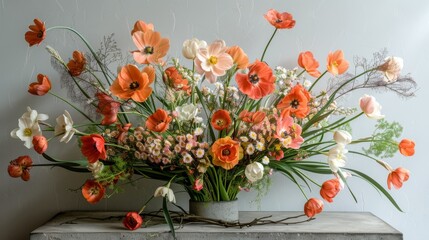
226,153
221,120
151,47
108,108
330,189
309,63
406,147
93,147
77,64
312,207
239,57
296,102
258,83
131,83
252,117
158,121
397,177
92,191
36,34
174,79
40,144
142,26
280,20
132,221
336,63
41,87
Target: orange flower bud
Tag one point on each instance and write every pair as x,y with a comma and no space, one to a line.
40,144
330,189
132,220
406,147
312,207
397,177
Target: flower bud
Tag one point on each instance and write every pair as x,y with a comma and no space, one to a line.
330,189
406,147
342,137
254,171
370,107
191,46
312,207
40,144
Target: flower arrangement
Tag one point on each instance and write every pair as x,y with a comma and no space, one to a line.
217,124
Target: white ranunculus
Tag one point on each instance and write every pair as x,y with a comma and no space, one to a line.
391,68
337,157
254,171
370,107
165,192
342,137
187,112
65,126
191,46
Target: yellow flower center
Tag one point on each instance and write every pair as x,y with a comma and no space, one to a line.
28,132
220,122
213,60
335,64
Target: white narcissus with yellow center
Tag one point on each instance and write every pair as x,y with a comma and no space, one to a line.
28,127
337,157
65,126
254,171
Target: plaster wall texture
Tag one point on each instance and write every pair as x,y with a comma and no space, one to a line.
360,28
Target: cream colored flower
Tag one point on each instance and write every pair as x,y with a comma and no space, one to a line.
187,112
254,171
65,126
391,68
370,107
337,157
165,192
342,137
28,127
250,149
191,46
265,160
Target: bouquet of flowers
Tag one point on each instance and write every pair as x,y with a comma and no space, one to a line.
216,124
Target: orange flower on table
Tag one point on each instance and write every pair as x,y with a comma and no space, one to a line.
226,153
239,57
312,207
221,120
131,83
41,87
93,191
258,83
151,47
336,63
158,121
93,147
280,20
108,108
37,33
20,167
296,102
252,117
397,177
77,64
307,61
406,147
175,80
330,189
40,144
132,221
142,26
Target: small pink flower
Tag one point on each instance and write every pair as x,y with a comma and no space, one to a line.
213,61
370,107
198,185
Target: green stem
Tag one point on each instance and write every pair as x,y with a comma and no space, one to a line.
268,44
73,106
317,80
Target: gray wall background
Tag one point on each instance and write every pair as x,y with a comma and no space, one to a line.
358,27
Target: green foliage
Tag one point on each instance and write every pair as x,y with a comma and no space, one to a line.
262,187
383,142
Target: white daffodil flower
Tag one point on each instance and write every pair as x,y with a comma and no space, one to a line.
337,157
65,126
28,127
165,192
254,171
342,137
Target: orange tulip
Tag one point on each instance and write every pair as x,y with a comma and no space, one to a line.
142,26
92,191
151,47
40,144
280,20
330,189
93,147
397,177
131,83
226,153
296,102
252,117
221,120
258,83
309,63
36,34
132,221
239,57
336,63
108,108
41,87
406,147
158,121
77,64
312,207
